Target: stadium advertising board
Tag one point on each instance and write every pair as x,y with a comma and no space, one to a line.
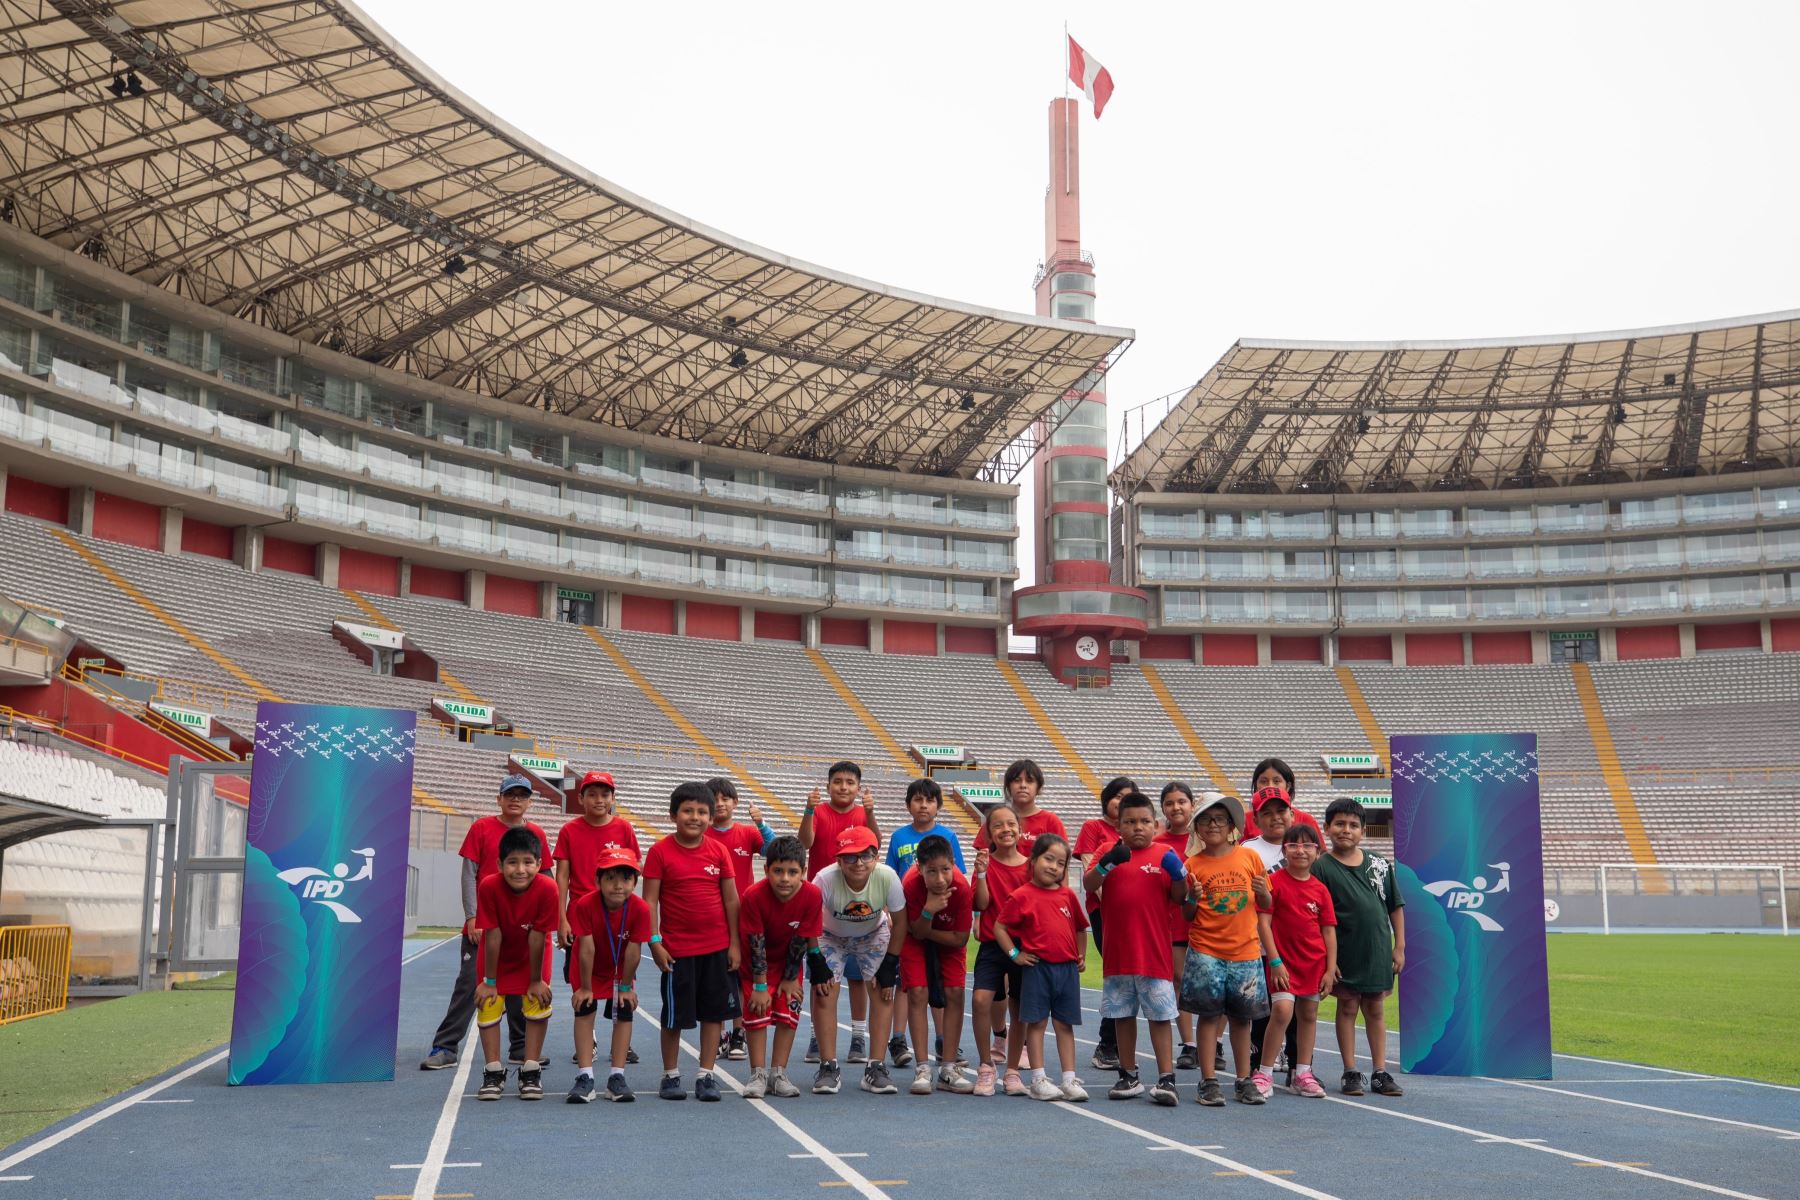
1475,992
324,908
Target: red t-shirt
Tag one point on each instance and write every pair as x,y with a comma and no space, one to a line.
1096,838
579,844
1132,900
515,915
1041,821
1002,881
744,842
1044,921
1302,909
828,824
958,916
693,896
481,845
1178,922
589,917
762,911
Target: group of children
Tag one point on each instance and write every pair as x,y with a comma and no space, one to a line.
1205,934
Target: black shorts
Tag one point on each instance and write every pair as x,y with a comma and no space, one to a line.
700,988
996,973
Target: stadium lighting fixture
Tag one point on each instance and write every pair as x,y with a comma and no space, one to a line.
117,87
1618,412
455,265
133,85
739,359
968,402
1362,423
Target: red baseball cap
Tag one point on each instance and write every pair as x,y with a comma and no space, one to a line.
1270,795
599,777
615,856
857,839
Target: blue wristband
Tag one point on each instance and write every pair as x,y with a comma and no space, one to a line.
655,938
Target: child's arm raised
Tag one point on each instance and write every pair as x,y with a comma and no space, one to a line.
805,832
1117,854
982,897
734,953
665,962
867,801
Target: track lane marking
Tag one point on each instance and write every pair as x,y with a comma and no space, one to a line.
1673,1112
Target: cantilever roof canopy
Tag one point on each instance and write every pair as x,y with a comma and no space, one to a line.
1417,416
291,164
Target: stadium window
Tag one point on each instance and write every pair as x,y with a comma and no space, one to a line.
1428,522
1719,506
1077,478
1071,281
574,607
661,470
1489,522
1502,562
597,458
1073,307
1369,564
1780,501
1367,525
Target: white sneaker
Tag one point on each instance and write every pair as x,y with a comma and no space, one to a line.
780,1085
1043,1089
921,1084
951,1079
1074,1093
758,1087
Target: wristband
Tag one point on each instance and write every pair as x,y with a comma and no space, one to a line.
1013,953
624,986
760,987
655,939
1275,962
493,983
1104,868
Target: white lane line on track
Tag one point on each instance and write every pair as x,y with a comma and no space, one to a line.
16,1178
1614,1062
119,1106
841,1154
419,1166
418,954
1165,1143
1483,1137
1790,1134
425,1187
187,1101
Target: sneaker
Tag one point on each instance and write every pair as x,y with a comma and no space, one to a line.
1263,1082
581,1091
827,1081
531,1082
859,1048
780,1085
1106,1058
1305,1084
631,1058
1012,1085
1188,1059
736,1047
1210,1094
921,1084
1074,1093
438,1059
619,1092
515,1058
493,1083
812,1050
1353,1083
1382,1084
670,1088
1129,1087
1163,1094
900,1052
1247,1092
1219,1061
758,1087
950,1078
984,1080
1043,1089
706,1088
875,1079
576,1058
998,1053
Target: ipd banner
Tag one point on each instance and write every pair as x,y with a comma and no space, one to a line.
318,988
1475,992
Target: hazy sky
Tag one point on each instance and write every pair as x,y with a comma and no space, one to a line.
1324,171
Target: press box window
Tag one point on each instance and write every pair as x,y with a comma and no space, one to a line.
1077,478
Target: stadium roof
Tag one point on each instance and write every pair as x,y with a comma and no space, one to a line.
1275,416
291,164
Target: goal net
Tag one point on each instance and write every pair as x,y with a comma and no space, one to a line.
1733,897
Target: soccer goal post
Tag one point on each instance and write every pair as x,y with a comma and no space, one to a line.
1698,896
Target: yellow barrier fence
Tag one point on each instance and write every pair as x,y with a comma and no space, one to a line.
34,971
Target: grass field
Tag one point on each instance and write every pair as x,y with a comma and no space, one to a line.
1696,1002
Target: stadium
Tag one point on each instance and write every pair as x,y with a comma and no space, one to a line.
321,384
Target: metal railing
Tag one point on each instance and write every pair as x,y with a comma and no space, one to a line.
34,971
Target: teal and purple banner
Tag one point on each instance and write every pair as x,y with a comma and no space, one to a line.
318,987
1475,992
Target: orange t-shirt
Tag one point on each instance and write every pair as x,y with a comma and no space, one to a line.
1224,926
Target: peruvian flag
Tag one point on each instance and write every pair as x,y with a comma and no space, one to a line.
1094,80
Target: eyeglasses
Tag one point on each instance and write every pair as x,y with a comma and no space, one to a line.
1213,819
865,856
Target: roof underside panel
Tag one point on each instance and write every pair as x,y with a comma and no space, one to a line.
288,163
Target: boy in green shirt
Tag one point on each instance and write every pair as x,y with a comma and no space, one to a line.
1371,942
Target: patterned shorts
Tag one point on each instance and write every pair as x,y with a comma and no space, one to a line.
1212,987
1126,997
862,954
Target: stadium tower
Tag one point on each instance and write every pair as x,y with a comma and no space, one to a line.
1074,609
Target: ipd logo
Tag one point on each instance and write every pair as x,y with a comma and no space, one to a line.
322,887
1468,898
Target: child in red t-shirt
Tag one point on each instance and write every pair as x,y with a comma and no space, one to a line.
934,962
1096,838
691,888
609,924
515,910
1304,925
847,805
579,844
1177,803
1043,928
745,842
1023,783
999,872
780,919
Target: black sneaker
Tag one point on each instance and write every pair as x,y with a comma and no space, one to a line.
1163,1093
581,1091
531,1082
1129,1087
859,1048
631,1058
618,1091
1219,1063
493,1083
706,1088
829,1078
875,1079
812,1049
670,1088
1188,1059
1210,1094
1106,1058
1247,1093
1382,1084
1353,1083
737,1048
438,1059
900,1052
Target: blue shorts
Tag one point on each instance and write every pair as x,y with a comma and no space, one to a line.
1051,991
1127,997
1213,987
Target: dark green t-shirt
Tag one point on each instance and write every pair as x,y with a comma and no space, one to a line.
1363,896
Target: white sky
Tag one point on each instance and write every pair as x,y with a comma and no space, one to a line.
1324,171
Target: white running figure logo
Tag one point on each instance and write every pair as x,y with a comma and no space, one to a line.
322,887
1467,898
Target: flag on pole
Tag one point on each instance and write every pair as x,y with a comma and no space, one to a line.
1094,80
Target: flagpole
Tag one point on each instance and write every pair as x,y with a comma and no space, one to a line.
1065,75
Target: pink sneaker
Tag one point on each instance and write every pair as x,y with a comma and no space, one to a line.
1306,1085
984,1080
1263,1083
1013,1085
